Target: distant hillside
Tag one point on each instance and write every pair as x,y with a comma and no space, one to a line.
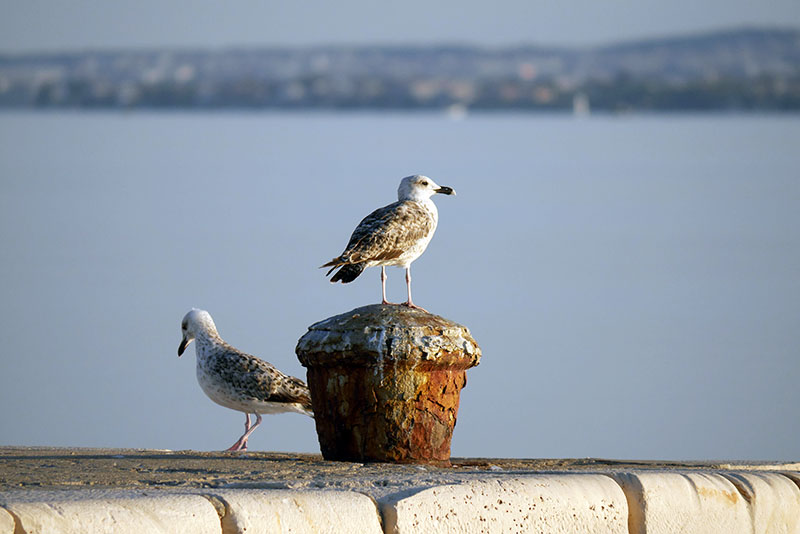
733,69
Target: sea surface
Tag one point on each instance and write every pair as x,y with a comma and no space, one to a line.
633,281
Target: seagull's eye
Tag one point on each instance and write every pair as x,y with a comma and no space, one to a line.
183,326
424,183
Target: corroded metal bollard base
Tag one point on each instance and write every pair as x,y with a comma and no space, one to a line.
385,383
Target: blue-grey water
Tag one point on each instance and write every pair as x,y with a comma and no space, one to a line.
634,281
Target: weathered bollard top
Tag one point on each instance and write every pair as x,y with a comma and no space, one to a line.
385,382
379,333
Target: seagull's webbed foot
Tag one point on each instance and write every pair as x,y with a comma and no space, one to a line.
413,306
238,446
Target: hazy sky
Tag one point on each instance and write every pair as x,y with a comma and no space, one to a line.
35,25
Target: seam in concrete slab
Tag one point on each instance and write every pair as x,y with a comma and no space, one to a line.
634,496
17,522
794,477
221,506
378,510
744,488
218,503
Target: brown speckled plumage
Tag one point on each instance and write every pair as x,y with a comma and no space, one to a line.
254,379
385,235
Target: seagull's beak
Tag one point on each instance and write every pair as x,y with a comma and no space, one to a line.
182,347
445,190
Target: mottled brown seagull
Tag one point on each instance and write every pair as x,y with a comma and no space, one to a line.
396,234
239,381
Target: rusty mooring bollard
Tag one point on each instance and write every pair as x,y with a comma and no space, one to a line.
385,383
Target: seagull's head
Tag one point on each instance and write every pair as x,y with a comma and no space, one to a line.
194,323
420,188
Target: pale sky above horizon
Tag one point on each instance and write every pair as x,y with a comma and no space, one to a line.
38,25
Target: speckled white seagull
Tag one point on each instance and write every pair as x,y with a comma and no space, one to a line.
240,381
396,234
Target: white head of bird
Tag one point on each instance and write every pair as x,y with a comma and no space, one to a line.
196,323
420,188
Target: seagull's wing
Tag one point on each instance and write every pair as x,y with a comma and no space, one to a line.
386,233
261,380
292,389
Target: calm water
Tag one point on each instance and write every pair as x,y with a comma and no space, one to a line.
634,282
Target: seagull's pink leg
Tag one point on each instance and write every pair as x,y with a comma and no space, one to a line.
410,303
383,286
241,443
243,440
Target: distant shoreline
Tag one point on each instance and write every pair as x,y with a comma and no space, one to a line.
746,69
369,112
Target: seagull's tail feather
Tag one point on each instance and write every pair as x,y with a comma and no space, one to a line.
348,273
334,264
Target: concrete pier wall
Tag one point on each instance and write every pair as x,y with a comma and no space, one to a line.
104,491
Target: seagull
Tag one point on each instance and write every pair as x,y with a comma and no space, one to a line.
396,234
239,381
